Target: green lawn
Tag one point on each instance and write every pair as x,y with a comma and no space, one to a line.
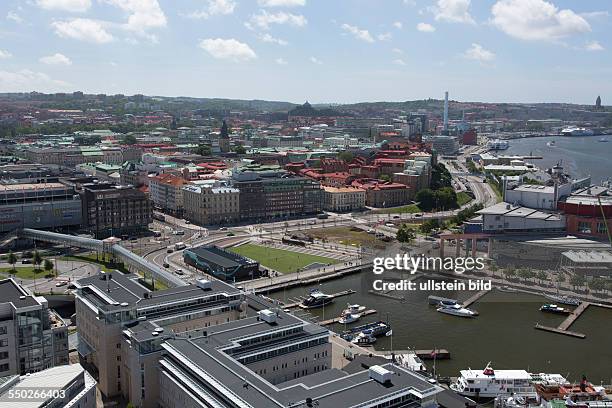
27,272
412,209
105,264
278,259
463,198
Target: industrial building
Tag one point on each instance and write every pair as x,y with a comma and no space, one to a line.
221,264
508,218
589,212
122,323
32,336
39,205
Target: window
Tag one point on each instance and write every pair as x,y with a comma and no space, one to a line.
584,227
3,330
4,367
3,342
601,229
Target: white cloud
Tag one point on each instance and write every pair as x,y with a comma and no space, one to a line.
214,7
270,39
315,60
26,80
229,49
11,15
363,35
56,59
453,11
264,19
594,46
397,51
536,20
478,53
399,61
143,15
82,29
280,61
5,54
398,25
384,37
77,6
596,14
425,28
281,3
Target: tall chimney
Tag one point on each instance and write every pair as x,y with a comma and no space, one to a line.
445,111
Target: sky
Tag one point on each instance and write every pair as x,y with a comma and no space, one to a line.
323,51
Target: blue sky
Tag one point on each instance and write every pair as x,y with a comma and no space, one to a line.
316,50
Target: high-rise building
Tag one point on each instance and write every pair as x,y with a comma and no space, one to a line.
446,111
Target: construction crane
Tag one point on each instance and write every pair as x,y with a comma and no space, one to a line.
603,215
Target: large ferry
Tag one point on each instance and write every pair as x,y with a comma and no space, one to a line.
498,144
456,310
490,383
576,131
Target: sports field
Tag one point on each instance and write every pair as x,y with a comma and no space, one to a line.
279,259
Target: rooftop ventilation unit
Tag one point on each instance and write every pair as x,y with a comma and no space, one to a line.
267,316
204,284
380,374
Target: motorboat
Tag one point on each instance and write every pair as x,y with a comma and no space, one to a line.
457,310
507,289
408,360
316,299
378,329
348,318
365,337
353,309
552,308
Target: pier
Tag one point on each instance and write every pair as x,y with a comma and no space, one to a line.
441,354
337,319
565,324
474,298
298,301
385,294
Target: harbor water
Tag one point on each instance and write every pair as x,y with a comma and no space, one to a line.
580,156
503,333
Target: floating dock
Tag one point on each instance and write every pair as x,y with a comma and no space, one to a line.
565,324
337,319
441,354
385,294
435,300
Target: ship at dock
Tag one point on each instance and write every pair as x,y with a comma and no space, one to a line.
577,131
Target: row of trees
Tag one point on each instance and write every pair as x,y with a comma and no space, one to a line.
442,199
576,280
37,260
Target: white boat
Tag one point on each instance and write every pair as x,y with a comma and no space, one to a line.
603,140
564,300
489,383
364,338
349,318
353,309
507,289
316,299
576,131
498,144
457,310
408,360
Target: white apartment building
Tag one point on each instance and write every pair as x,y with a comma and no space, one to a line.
210,203
167,192
32,337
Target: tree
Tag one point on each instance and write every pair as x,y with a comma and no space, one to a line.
385,177
36,259
429,225
405,234
346,156
426,199
12,259
542,276
48,265
597,284
224,130
203,150
239,149
440,177
509,272
577,280
129,139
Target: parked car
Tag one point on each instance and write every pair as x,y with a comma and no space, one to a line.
166,265
26,261
179,272
61,283
169,250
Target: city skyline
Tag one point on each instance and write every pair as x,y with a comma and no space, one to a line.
297,50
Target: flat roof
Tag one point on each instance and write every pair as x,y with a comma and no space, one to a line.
220,257
330,388
593,257
11,292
